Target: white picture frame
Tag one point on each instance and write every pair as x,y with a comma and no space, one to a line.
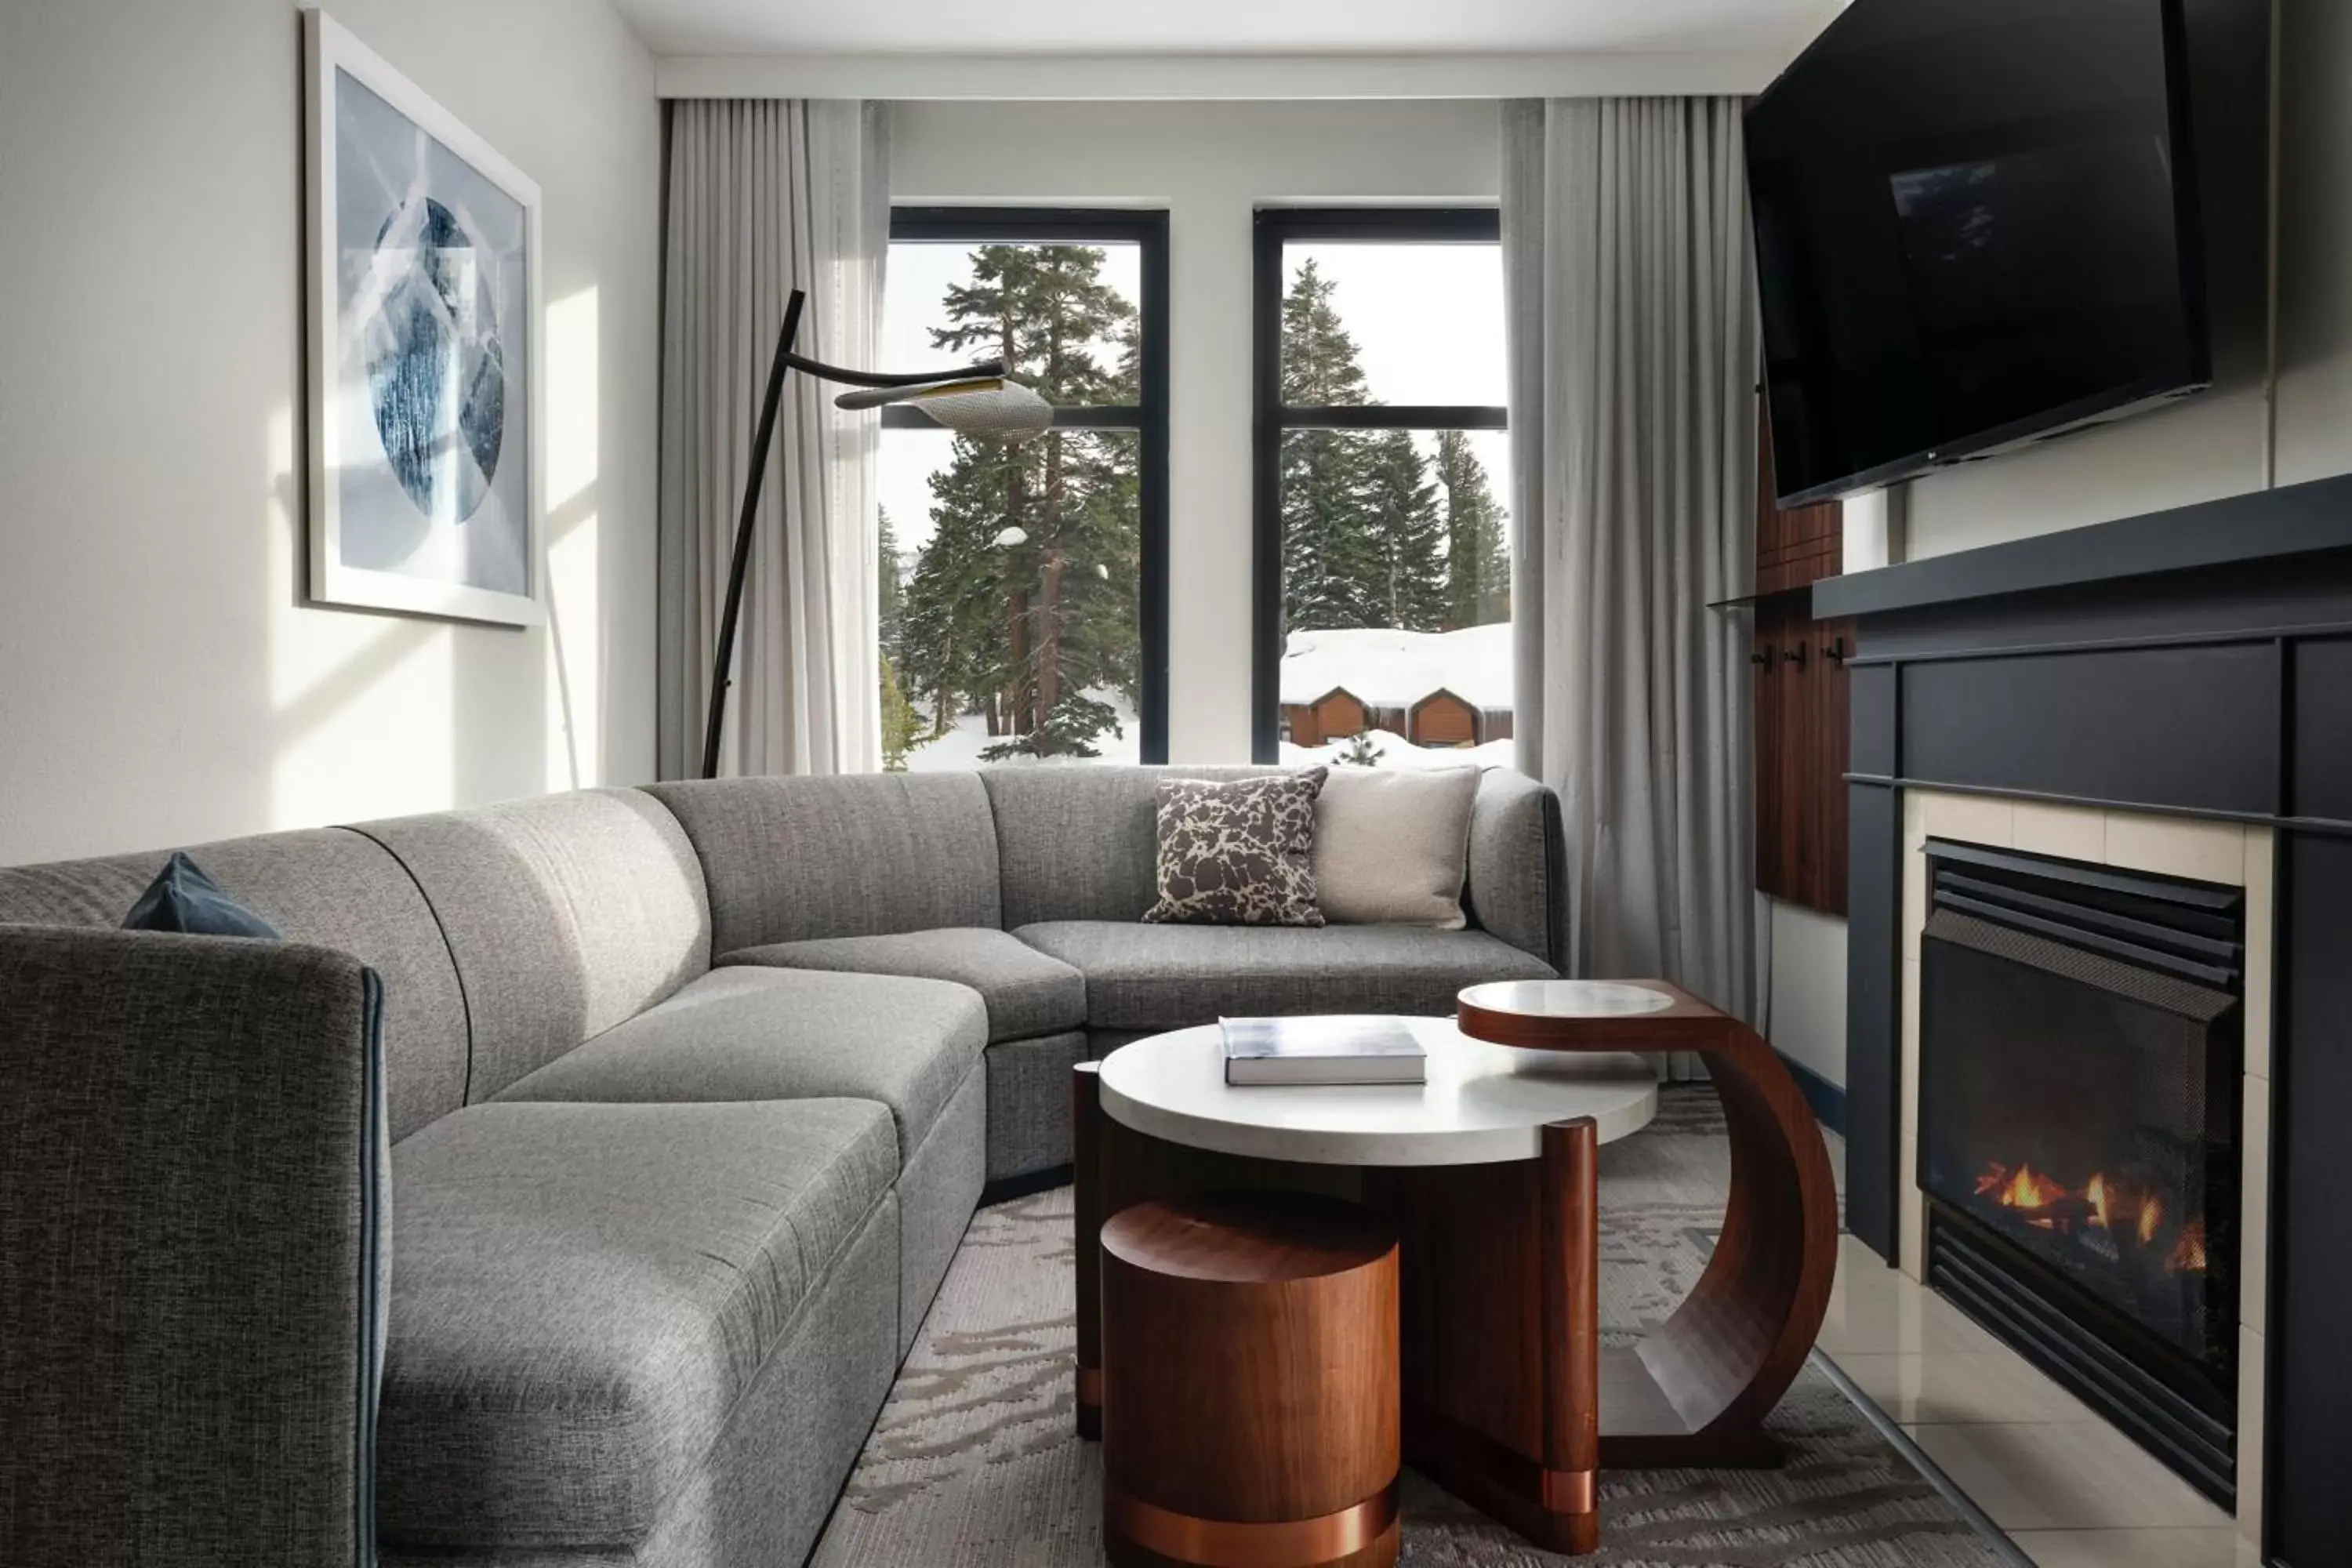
424,359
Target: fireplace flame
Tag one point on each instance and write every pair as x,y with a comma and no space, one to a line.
2189,1252
2024,1188
2104,1202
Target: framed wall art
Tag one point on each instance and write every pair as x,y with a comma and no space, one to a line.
424,350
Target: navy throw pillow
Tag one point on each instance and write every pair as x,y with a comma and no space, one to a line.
182,899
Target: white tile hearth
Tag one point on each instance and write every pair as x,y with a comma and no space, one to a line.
2060,1476
1964,1387
2070,1489
2137,1549
1868,1315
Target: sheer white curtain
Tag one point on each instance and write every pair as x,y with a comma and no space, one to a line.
1630,296
767,196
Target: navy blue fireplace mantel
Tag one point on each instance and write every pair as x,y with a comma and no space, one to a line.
2196,662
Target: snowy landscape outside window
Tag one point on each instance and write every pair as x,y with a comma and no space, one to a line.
1022,598
1384,635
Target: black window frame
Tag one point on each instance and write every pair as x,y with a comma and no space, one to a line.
1146,228
1277,227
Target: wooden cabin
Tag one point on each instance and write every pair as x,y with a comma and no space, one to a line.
1333,716
1442,719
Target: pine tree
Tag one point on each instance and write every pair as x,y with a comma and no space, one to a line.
1361,536
1025,599
902,727
890,592
1478,554
1324,565
1405,534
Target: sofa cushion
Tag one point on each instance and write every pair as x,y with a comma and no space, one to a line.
582,1292
327,886
1082,843
1026,993
750,1033
567,914
1168,976
790,860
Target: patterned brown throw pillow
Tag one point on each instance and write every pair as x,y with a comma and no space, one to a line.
1238,853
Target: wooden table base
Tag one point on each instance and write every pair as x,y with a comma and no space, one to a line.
1510,1402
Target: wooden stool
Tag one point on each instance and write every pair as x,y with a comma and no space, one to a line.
1249,1383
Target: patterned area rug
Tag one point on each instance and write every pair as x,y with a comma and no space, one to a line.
973,1463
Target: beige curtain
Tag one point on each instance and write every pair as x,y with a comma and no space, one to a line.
1630,295
764,196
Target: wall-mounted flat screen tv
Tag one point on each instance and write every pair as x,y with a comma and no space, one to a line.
1976,224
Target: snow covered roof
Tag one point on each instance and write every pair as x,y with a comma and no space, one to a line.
1385,669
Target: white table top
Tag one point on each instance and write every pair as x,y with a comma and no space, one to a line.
1483,1104
1568,998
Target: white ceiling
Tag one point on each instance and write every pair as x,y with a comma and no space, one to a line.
1225,28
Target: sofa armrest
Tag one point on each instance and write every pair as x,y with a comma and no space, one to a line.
193,1170
1517,852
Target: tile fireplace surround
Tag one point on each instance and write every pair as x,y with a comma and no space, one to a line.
2221,852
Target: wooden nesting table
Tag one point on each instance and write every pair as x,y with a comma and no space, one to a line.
1487,1173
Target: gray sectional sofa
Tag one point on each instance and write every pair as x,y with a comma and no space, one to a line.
570,1185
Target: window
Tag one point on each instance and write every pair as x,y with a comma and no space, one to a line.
1382,450
1025,588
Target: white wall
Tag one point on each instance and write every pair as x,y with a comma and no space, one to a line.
1805,1017
1210,165
160,679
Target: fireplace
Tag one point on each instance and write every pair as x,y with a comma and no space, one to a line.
2080,1073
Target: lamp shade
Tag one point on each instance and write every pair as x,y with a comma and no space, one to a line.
989,407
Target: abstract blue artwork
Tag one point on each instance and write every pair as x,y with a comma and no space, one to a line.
434,368
425,312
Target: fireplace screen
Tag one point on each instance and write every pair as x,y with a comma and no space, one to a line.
2079,1097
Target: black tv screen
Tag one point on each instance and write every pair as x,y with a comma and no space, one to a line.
1976,222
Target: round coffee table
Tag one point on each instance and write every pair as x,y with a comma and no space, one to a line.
1481,1102
1489,1172
1486,1169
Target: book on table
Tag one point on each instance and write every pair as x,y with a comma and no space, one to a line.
1328,1050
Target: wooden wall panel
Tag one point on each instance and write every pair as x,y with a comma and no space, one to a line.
1801,700
1801,748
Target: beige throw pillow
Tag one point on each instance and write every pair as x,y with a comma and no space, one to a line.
1392,846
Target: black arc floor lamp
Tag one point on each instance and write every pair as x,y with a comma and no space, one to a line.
974,399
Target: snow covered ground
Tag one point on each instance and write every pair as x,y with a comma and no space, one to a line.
1396,751
968,737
